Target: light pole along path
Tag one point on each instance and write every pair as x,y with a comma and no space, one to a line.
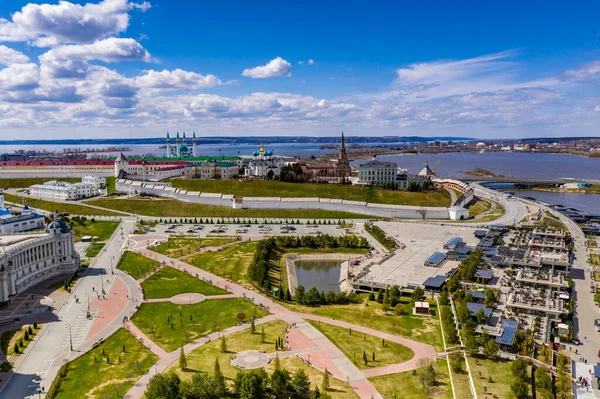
332,358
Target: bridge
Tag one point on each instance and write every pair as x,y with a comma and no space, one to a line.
522,180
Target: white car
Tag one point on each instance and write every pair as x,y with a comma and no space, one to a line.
597,324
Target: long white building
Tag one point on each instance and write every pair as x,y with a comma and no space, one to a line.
17,223
90,186
27,260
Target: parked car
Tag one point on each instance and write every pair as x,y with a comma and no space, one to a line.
597,324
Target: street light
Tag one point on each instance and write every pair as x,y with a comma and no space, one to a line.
70,336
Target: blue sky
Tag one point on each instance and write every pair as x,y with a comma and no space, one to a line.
115,68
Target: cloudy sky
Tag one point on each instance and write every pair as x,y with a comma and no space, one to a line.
119,68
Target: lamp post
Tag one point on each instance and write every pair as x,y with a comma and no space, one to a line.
88,304
70,335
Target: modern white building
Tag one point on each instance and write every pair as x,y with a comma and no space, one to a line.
27,260
66,191
26,221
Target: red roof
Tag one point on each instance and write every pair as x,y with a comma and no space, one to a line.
82,162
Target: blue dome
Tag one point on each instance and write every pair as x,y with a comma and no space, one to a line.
269,153
255,153
58,225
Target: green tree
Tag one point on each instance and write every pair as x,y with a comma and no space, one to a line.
299,294
325,382
563,385
199,387
300,385
491,349
251,384
252,326
219,380
380,295
182,360
163,386
543,383
223,344
386,302
520,389
417,294
519,369
312,297
490,298
262,335
427,373
280,383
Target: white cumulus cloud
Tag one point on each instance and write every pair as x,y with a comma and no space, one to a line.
18,77
177,79
10,56
274,68
108,50
68,22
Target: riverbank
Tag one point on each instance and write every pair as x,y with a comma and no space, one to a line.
595,189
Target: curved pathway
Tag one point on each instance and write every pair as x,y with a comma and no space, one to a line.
311,342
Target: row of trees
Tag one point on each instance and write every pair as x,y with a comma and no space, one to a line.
313,297
240,221
388,242
448,323
259,268
322,241
247,384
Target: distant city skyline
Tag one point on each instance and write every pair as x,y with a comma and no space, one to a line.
133,69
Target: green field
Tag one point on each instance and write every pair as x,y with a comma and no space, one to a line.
202,360
179,246
419,328
8,339
478,207
231,262
101,229
263,188
168,207
168,282
353,344
408,386
93,376
73,209
190,322
95,249
136,265
502,377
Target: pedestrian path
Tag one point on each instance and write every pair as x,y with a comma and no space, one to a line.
585,371
80,329
145,340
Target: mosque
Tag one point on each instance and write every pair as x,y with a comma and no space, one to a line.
181,150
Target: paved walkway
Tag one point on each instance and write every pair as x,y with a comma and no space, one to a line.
143,338
305,341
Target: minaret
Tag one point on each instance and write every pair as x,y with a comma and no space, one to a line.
178,149
168,146
343,166
194,145
183,138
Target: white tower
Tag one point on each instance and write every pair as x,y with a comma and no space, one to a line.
121,163
1,200
168,146
178,149
194,154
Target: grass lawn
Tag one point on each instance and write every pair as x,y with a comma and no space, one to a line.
73,209
408,386
93,376
553,223
8,340
263,188
231,262
95,249
30,181
420,328
190,322
176,247
168,282
478,207
482,369
151,206
101,229
461,383
353,346
498,212
135,264
203,359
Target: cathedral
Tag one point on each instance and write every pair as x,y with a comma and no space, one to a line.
336,172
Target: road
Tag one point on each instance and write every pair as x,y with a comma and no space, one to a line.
43,359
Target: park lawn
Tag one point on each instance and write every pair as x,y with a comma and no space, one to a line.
424,329
203,358
478,207
497,213
95,249
264,188
176,247
502,377
190,322
353,345
102,229
231,262
462,384
8,340
72,209
408,386
168,282
92,376
136,265
26,182
168,207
